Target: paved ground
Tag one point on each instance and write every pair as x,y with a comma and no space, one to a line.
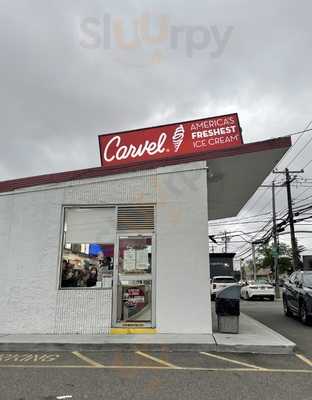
253,337
177,375
272,315
111,375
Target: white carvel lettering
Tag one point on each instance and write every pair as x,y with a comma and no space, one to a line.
123,152
106,158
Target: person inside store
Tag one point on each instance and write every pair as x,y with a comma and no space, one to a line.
93,277
77,277
68,279
84,277
110,264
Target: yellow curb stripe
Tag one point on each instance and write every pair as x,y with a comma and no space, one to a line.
132,331
87,360
158,360
233,361
304,359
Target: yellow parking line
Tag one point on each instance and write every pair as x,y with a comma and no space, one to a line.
158,360
46,366
233,361
87,360
160,368
304,359
87,366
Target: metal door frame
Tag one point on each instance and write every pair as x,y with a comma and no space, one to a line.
125,235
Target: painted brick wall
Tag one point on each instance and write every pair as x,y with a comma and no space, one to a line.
30,225
32,254
183,290
83,311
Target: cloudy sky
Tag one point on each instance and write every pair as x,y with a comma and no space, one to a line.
72,70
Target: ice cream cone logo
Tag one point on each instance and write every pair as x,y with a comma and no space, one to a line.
178,137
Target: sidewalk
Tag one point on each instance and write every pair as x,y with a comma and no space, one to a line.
254,337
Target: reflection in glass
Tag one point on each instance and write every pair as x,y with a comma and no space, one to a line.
136,300
87,265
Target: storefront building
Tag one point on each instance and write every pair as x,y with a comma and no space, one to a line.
125,244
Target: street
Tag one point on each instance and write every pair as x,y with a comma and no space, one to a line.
159,375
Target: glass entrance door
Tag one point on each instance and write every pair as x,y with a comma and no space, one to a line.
133,281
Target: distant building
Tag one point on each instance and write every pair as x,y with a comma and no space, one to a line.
307,263
221,264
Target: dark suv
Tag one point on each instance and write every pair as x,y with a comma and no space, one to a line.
297,296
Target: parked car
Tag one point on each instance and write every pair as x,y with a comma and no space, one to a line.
258,289
220,282
297,296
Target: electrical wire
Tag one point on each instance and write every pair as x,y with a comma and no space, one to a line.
268,233
302,133
306,129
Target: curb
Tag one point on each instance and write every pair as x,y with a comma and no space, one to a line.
255,349
150,347
108,347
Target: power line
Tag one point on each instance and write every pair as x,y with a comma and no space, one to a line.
304,147
306,198
302,133
306,190
242,219
241,248
261,229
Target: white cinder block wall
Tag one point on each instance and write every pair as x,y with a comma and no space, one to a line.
183,291
30,234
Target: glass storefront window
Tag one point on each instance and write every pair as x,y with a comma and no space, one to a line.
136,301
87,265
88,248
135,255
134,289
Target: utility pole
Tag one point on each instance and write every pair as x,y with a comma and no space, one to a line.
295,254
275,249
225,241
254,261
241,268
291,223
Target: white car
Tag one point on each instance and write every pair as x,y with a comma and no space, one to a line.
258,289
220,282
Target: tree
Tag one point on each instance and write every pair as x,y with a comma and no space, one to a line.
266,258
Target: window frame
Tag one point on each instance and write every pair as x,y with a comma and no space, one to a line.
62,244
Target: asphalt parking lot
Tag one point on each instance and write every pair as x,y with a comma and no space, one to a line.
144,375
154,375
188,361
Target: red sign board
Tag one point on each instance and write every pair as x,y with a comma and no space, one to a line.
170,141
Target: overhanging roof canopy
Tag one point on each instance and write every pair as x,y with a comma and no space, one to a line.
237,173
233,180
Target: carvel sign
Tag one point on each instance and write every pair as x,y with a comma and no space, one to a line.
170,141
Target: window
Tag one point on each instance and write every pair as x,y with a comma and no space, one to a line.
88,248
